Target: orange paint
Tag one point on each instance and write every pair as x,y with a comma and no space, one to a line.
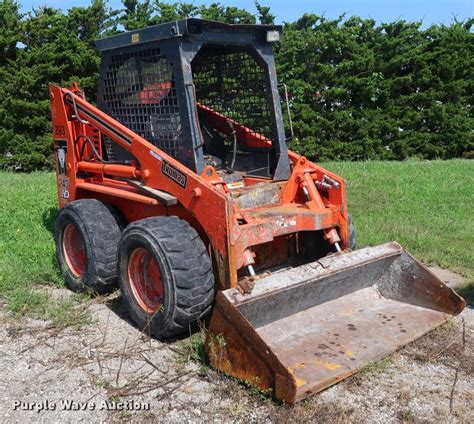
205,200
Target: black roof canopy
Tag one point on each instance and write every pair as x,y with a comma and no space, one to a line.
191,27
153,78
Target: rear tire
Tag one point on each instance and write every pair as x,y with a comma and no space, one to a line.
86,236
165,275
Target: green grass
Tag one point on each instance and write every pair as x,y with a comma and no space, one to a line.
426,206
28,207
39,304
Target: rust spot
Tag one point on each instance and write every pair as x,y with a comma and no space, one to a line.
299,381
328,365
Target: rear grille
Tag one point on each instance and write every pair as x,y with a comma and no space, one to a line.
139,91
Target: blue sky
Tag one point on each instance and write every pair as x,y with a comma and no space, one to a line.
430,11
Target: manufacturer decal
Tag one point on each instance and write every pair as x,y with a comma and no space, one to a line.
63,182
60,146
135,38
64,193
174,174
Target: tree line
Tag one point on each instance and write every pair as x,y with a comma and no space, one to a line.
358,89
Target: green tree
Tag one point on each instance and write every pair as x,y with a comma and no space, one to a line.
227,14
136,14
358,89
265,17
10,37
57,48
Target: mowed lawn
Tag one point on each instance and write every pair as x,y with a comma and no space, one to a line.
426,206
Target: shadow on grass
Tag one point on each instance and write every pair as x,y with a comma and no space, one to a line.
49,218
467,292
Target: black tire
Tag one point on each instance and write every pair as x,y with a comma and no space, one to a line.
185,289
97,232
352,234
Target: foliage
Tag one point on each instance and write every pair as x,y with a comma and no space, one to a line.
358,90
50,47
392,91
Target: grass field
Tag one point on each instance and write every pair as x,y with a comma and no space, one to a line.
426,206
28,207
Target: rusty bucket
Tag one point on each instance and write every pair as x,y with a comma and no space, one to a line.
304,329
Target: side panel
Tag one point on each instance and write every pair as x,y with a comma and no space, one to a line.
205,200
64,154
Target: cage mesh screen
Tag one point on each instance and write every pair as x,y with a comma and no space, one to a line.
139,91
231,82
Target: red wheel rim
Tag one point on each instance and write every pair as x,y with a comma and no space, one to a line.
145,280
74,250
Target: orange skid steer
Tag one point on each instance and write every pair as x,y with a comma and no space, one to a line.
180,187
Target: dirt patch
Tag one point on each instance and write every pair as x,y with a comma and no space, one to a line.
117,374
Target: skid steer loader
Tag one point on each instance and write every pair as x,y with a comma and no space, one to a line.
179,185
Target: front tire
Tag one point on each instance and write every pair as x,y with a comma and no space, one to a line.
86,236
165,275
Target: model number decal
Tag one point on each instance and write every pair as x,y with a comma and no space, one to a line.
174,174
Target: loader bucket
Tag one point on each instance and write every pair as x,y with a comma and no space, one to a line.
306,328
